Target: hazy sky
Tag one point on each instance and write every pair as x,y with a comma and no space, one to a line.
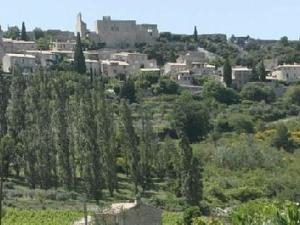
263,19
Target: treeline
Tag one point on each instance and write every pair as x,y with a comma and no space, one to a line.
61,129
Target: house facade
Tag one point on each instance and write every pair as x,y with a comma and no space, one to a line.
24,62
287,73
130,214
241,76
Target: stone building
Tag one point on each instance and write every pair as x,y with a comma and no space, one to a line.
287,73
81,27
113,68
174,68
24,62
135,60
193,57
18,46
241,76
63,46
135,213
120,33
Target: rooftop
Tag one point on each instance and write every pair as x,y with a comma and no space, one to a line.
150,69
21,55
119,207
17,41
110,62
241,69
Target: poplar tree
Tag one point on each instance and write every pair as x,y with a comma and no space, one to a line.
192,187
60,125
79,59
16,116
92,166
261,70
130,143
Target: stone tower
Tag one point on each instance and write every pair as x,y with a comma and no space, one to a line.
81,26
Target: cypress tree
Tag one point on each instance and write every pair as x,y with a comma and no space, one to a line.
23,33
195,34
227,73
79,59
4,97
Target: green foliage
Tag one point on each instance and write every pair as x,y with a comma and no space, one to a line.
43,43
265,212
216,90
258,92
13,33
191,118
191,213
166,86
128,91
292,95
38,217
38,33
282,138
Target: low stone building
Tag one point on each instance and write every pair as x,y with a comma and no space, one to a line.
135,213
113,68
63,46
174,68
241,76
18,46
287,73
135,60
193,57
24,62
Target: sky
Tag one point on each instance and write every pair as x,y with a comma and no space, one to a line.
264,19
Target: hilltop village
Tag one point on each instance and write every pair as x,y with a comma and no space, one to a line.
125,124
114,50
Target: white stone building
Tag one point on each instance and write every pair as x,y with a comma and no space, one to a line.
24,62
287,73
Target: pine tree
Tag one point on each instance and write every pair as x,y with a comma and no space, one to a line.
227,73
195,34
130,143
23,33
79,59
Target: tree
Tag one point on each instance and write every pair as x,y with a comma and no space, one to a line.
227,73
38,33
216,90
128,91
261,71
281,138
192,187
191,118
15,113
12,32
23,33
284,41
256,91
129,143
292,95
195,34
4,98
60,125
43,43
79,59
